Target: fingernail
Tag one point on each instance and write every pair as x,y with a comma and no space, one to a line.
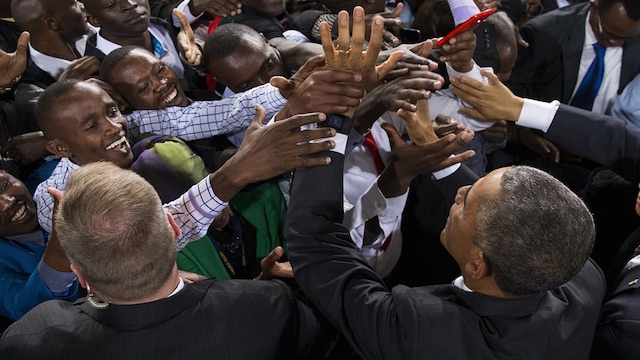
343,16
377,20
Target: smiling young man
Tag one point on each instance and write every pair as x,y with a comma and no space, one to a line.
32,270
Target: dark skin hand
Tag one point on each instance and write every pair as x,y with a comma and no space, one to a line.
12,65
26,148
269,151
81,69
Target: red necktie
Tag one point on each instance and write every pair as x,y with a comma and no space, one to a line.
370,143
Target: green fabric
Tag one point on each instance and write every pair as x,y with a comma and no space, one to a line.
200,257
179,157
264,207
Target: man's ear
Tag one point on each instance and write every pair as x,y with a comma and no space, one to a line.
59,148
174,225
479,266
81,279
92,20
51,23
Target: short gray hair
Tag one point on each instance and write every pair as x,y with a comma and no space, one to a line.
536,232
113,228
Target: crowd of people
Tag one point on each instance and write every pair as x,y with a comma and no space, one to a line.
258,179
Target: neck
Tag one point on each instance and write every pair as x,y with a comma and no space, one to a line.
142,40
55,47
165,290
486,286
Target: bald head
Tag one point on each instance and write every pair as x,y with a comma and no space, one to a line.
27,13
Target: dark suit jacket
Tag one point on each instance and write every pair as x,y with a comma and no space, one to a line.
435,322
235,319
599,138
548,69
618,334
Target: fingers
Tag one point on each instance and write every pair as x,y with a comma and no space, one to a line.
397,11
327,44
282,83
343,42
269,260
375,43
357,37
23,46
57,195
423,49
458,158
493,78
389,64
184,22
388,37
260,114
473,113
392,133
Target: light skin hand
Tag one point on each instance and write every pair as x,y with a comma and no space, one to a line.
189,277
54,255
271,150
81,69
489,102
272,268
12,65
187,41
347,55
216,7
26,148
419,127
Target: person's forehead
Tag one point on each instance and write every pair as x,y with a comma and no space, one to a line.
137,61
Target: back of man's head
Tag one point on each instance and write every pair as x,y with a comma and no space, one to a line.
27,14
536,232
112,227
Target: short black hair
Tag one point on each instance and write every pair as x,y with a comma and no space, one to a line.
224,40
631,6
49,98
111,60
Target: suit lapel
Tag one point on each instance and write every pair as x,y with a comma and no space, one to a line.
572,52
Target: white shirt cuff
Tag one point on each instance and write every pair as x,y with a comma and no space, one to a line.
441,174
537,114
184,7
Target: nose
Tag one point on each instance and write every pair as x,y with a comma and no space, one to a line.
160,83
127,4
263,79
6,201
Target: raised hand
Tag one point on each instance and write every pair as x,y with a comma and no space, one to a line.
348,54
26,148
54,255
490,102
458,51
419,127
187,41
272,268
13,65
271,150
81,69
411,160
311,89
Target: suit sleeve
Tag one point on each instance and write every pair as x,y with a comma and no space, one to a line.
599,138
330,269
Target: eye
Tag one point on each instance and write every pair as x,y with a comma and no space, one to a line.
113,111
5,184
110,4
143,88
269,65
161,68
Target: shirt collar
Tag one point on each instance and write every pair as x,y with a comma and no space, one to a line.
52,65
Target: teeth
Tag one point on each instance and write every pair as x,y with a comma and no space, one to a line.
20,214
116,143
170,96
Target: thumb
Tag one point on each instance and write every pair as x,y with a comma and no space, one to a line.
272,257
57,194
397,11
493,78
23,45
184,23
392,133
260,115
285,85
